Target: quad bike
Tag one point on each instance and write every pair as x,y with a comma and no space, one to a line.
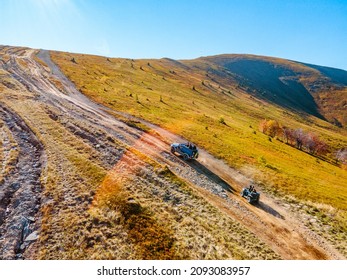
251,195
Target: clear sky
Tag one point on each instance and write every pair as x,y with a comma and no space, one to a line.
312,31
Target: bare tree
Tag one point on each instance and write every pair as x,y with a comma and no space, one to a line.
322,148
299,137
310,141
314,145
341,155
287,134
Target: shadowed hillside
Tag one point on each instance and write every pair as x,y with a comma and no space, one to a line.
311,89
337,76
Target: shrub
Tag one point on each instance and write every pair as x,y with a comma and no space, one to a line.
221,120
270,127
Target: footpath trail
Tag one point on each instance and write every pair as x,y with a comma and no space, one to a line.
220,185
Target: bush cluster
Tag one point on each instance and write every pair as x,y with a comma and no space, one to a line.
298,138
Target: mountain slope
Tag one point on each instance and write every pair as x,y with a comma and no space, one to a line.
201,101
294,85
109,187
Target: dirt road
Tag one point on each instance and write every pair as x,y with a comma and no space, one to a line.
21,187
272,223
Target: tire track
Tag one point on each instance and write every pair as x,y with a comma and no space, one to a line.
284,234
218,182
20,193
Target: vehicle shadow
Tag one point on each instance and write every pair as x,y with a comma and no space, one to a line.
200,168
268,209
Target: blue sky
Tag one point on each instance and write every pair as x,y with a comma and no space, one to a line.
308,31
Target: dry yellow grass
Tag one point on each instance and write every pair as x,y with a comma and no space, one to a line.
161,91
191,102
139,208
89,212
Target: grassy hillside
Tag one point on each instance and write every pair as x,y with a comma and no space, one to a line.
312,89
110,191
99,196
186,98
213,108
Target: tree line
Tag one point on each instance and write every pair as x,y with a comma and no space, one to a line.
302,140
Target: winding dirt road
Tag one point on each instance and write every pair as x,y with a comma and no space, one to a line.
282,231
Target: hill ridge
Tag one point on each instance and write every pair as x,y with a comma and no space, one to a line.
290,84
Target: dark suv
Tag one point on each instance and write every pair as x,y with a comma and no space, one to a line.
187,151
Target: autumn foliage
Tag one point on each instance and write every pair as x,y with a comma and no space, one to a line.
298,138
